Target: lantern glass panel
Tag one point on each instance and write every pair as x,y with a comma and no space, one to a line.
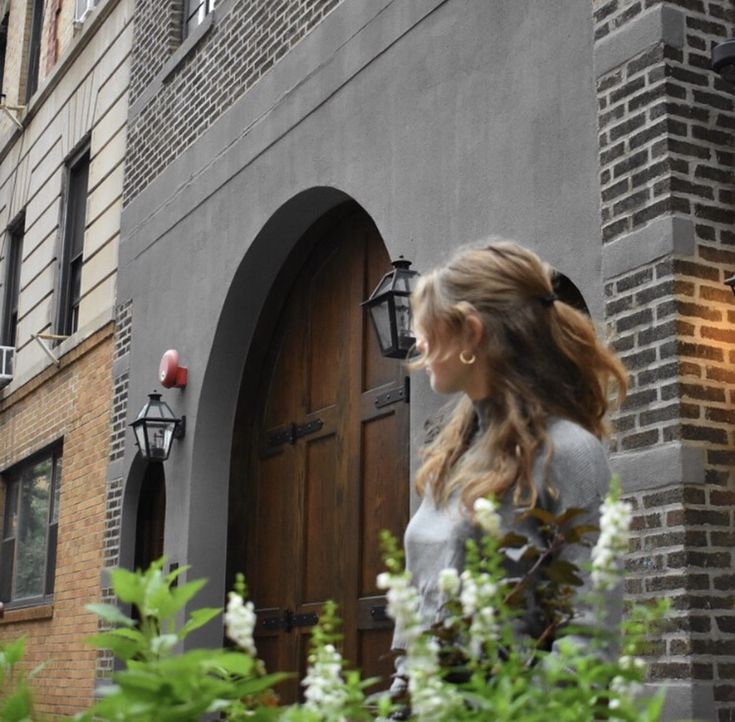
403,283
404,325
160,436
381,320
140,438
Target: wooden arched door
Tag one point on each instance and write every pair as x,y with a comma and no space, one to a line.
328,459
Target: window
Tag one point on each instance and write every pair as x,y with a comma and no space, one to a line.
196,11
30,522
83,8
3,48
73,255
34,49
14,239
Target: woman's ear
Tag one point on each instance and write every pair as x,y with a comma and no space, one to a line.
475,329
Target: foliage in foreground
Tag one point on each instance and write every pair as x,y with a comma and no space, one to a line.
471,666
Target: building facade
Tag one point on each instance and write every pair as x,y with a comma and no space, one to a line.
65,75
277,155
594,133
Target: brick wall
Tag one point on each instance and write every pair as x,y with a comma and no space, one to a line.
73,404
666,177
115,480
247,38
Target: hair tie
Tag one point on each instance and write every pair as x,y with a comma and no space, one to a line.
549,300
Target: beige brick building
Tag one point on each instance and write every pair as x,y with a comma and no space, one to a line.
62,141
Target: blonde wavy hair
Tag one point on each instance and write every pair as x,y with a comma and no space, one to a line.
544,360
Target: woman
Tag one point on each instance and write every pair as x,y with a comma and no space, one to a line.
534,382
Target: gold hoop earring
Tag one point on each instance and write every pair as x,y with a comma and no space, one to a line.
467,361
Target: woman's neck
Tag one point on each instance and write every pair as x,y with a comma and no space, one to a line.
484,410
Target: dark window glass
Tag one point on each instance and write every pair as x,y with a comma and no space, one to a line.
76,211
196,11
34,49
30,521
12,286
3,48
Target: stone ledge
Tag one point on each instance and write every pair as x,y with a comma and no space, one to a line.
664,236
686,700
28,614
660,23
661,465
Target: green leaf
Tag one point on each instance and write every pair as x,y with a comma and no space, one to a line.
572,513
563,572
199,618
542,515
232,662
511,539
174,574
123,648
128,586
17,707
14,651
111,614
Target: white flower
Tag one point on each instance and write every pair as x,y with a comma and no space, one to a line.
403,603
478,602
486,515
615,518
432,699
449,582
383,580
325,691
240,622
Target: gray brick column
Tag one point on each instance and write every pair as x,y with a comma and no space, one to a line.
666,213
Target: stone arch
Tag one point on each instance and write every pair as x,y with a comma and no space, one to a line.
268,257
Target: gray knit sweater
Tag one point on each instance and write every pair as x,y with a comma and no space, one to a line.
435,537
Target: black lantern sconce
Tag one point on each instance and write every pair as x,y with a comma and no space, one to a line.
390,310
730,282
156,427
723,59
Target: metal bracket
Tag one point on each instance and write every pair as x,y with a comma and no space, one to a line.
399,392
41,338
289,620
379,614
291,433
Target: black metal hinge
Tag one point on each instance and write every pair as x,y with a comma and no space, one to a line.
291,433
289,620
399,392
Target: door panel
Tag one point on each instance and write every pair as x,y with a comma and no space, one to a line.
328,469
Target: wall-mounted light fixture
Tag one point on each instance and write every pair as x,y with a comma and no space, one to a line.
723,59
390,310
156,427
730,282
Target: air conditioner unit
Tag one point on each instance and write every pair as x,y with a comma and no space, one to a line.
7,355
83,8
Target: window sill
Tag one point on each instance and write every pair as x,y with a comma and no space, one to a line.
27,614
186,47
179,55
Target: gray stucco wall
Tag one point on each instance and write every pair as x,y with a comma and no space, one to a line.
446,120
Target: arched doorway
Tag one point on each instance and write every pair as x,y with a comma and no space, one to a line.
151,516
320,452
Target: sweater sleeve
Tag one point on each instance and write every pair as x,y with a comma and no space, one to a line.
581,476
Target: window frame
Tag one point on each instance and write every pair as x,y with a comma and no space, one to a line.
3,51
188,22
35,40
72,255
14,235
12,478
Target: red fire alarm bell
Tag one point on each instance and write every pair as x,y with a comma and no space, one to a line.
170,373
